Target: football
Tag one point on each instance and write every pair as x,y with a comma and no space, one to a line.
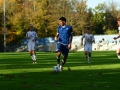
56,69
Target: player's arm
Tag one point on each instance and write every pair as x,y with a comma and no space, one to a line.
117,37
56,36
70,39
71,36
27,37
36,37
92,39
82,39
70,43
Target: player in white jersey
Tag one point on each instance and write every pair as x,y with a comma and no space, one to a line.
118,49
88,40
31,36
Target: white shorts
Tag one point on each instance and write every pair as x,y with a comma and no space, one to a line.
88,48
31,46
118,46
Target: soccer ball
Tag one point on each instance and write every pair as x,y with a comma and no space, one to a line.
56,69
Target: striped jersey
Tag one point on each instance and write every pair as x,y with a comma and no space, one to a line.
88,37
32,35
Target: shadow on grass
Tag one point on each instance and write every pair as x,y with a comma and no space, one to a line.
18,73
48,60
65,80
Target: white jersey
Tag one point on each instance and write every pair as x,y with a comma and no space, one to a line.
32,35
119,33
119,29
88,37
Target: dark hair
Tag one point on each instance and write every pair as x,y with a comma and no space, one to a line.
31,26
88,28
63,19
118,19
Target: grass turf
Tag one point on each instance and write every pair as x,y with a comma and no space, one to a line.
18,73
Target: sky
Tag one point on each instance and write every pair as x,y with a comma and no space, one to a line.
93,3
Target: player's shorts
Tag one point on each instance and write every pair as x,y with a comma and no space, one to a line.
31,46
118,46
88,48
63,48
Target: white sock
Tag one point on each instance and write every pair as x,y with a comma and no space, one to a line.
34,56
118,56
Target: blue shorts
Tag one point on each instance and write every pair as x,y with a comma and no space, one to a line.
63,48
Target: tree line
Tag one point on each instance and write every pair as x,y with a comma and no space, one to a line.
44,15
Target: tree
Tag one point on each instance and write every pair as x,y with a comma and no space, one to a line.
105,17
79,16
44,15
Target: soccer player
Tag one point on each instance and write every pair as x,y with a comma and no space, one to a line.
31,36
118,49
64,37
88,40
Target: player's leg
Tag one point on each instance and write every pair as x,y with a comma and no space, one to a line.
58,53
58,58
89,53
31,54
34,57
90,50
34,53
86,49
30,51
88,58
65,52
64,60
86,54
118,52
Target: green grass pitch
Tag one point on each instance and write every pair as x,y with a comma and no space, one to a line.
18,73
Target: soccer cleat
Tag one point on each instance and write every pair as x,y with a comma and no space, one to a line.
35,62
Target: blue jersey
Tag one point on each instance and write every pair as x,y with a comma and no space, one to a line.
64,34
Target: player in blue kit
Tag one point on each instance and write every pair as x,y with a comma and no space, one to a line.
64,37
